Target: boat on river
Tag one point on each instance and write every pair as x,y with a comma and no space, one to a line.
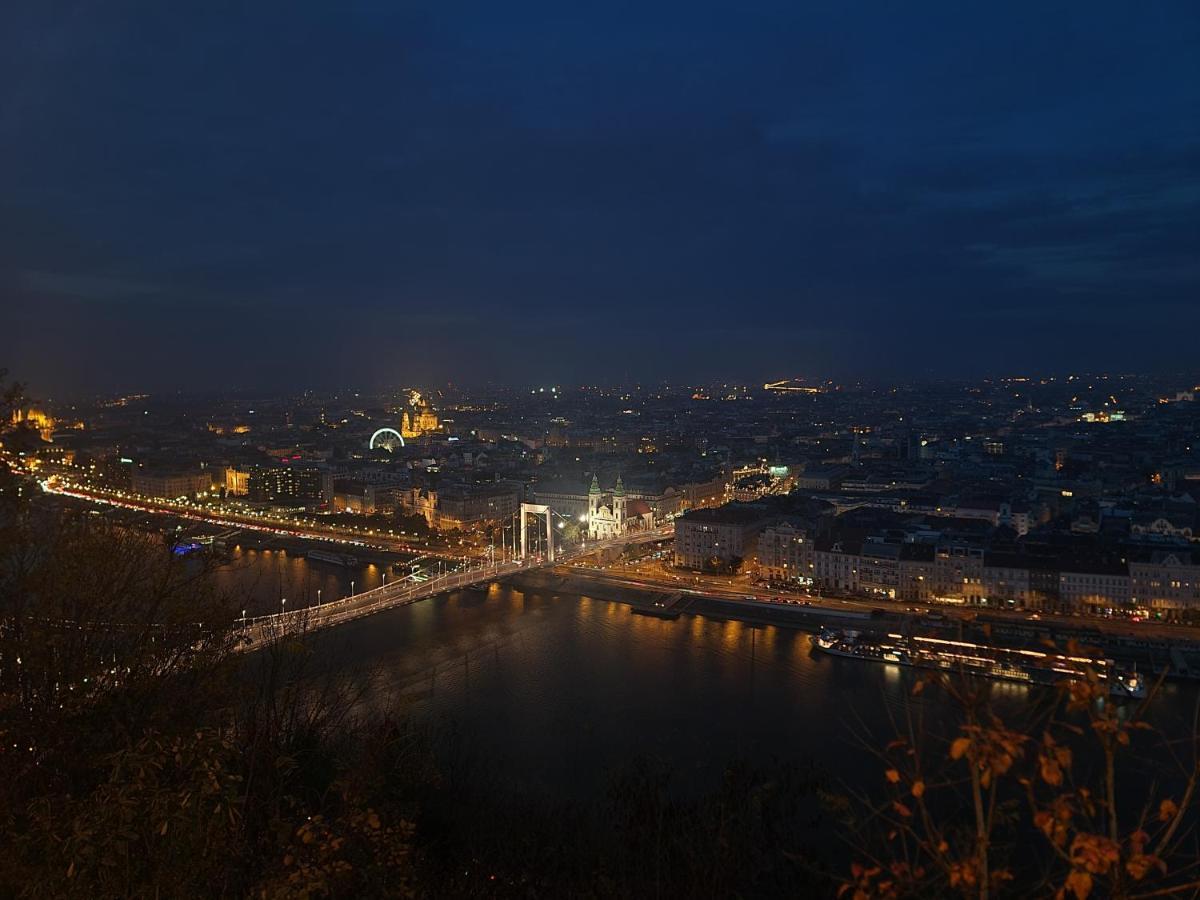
1014,664
349,560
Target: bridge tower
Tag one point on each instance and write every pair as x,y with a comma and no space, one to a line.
542,510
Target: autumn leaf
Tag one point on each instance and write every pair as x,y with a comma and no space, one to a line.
1094,852
959,747
892,776
1167,810
1080,884
902,809
1140,864
918,788
1051,773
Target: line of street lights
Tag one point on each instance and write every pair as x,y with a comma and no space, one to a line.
442,572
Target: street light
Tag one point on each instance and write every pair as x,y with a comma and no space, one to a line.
283,605
352,589
318,598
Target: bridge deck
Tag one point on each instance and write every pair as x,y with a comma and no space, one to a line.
401,593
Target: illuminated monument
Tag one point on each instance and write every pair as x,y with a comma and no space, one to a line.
34,418
606,520
420,419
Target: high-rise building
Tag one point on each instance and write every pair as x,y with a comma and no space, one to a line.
286,484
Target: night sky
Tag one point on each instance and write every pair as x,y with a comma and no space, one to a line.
209,194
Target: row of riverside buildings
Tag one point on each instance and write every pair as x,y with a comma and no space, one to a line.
1161,580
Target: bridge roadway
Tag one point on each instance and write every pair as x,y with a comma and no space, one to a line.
401,593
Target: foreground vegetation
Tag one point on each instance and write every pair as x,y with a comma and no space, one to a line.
1079,797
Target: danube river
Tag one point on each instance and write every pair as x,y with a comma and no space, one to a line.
557,691
261,580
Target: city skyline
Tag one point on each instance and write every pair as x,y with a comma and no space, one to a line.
373,195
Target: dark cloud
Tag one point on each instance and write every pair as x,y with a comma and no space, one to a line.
384,191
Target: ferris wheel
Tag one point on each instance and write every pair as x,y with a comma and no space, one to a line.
386,439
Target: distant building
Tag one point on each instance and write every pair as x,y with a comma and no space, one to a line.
705,493
1006,580
567,499
606,520
420,419
834,566
784,552
748,488
286,485
364,495
237,482
815,479
879,570
460,506
1164,525
720,535
571,499
36,419
663,501
793,386
1166,582
1094,588
916,572
958,574
993,511
169,485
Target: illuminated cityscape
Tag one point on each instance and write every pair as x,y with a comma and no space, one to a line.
1075,496
529,451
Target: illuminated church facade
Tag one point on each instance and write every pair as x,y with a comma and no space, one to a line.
614,514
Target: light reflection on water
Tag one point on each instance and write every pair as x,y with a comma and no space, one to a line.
555,691
559,690
260,579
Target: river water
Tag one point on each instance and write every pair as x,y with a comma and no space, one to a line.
260,580
558,692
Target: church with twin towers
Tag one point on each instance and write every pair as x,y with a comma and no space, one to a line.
602,514
607,519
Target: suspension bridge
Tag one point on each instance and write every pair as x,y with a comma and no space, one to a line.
257,629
